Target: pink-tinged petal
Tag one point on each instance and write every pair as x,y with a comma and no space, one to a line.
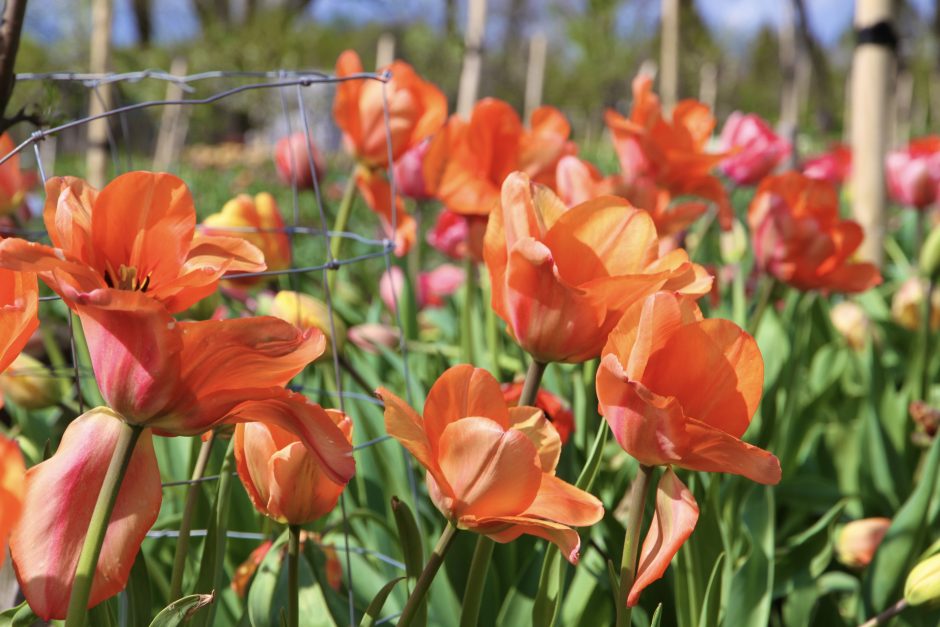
144,220
649,427
324,439
12,489
254,445
561,502
63,274
714,450
532,422
19,306
60,496
460,392
715,370
135,348
493,472
673,522
67,215
508,528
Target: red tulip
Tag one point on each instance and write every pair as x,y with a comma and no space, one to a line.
753,149
833,166
914,172
409,173
799,238
291,155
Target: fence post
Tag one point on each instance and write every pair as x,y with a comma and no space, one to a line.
669,54
472,57
871,67
174,122
535,73
96,156
385,50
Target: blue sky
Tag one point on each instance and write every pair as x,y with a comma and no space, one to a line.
735,19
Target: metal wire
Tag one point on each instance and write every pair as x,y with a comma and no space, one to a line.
279,80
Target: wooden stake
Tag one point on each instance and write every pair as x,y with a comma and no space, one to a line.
903,105
472,57
96,156
535,73
789,92
708,85
385,50
669,55
872,65
174,123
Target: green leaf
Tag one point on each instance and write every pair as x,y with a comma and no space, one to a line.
182,610
657,616
809,552
708,617
409,536
139,596
903,541
372,612
19,616
752,583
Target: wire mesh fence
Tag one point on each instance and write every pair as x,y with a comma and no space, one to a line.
306,227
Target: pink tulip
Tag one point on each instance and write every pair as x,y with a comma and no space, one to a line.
409,174
450,234
914,172
754,150
291,155
833,166
433,286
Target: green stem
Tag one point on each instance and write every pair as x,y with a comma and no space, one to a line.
186,524
631,542
466,314
427,576
925,342
768,284
887,615
533,377
98,525
293,581
476,582
342,218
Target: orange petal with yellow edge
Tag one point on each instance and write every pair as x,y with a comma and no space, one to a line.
61,493
673,522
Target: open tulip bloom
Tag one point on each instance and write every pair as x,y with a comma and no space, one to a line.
680,391
491,467
563,277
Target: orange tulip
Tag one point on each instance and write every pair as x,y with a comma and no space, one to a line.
490,467
799,238
174,378
19,307
137,234
12,487
563,277
556,412
416,109
677,390
467,162
283,480
858,541
670,152
14,183
258,221
397,223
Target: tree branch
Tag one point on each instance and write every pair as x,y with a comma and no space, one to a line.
12,25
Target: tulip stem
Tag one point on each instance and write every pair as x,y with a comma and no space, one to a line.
342,217
293,582
631,542
533,377
186,523
925,342
98,525
476,582
427,576
888,614
466,314
767,287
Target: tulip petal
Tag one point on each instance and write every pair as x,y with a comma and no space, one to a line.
406,426
294,412
63,274
67,215
673,522
492,471
716,371
294,473
346,104
715,450
564,503
60,496
254,445
12,488
19,305
144,220
508,528
135,350
533,423
460,392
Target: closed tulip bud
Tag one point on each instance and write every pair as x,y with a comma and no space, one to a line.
733,243
930,254
29,384
409,173
371,335
284,480
308,312
859,539
852,323
907,302
923,584
291,155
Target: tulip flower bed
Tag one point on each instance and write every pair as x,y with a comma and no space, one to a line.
459,374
